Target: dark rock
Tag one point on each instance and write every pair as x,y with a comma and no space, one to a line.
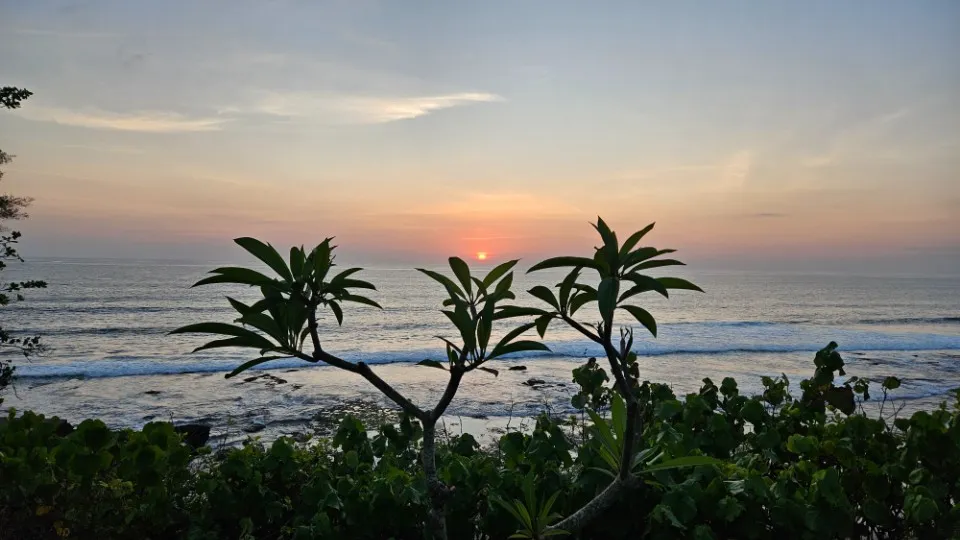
251,379
64,428
149,417
195,435
534,382
255,427
153,392
518,368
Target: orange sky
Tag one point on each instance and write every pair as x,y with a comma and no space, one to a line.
782,133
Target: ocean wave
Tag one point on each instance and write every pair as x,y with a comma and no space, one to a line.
693,341
61,310
912,320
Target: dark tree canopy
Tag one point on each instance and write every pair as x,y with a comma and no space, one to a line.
13,207
11,96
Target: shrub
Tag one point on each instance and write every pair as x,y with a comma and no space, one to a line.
790,468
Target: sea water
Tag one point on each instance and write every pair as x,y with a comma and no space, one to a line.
106,323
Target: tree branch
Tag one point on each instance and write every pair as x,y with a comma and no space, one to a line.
456,375
580,328
382,385
626,459
314,331
359,368
590,511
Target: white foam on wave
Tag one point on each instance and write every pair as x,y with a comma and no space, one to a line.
710,338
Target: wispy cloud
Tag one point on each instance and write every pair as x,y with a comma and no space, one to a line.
488,205
104,148
141,121
727,174
43,32
870,138
767,215
358,109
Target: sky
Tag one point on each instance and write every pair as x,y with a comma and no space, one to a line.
801,134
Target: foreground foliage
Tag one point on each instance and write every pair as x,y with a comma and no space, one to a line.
816,466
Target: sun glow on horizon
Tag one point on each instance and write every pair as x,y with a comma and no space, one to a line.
481,255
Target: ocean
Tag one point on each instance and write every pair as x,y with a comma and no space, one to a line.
107,322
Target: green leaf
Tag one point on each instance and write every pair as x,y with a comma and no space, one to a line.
337,312
563,262
484,327
247,365
515,333
643,283
658,264
891,383
481,288
643,317
618,416
431,363
340,278
266,324
453,355
497,272
609,253
357,284
448,283
579,300
297,260
566,286
242,276
632,241
462,271
224,329
465,324
542,323
677,283
546,295
450,343
606,234
509,312
243,342
517,346
321,260
524,514
682,462
607,297
611,448
503,286
356,299
639,255
267,254
545,509
508,507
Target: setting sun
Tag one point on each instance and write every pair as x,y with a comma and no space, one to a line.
481,255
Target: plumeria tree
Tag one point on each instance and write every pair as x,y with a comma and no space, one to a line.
618,279
285,323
